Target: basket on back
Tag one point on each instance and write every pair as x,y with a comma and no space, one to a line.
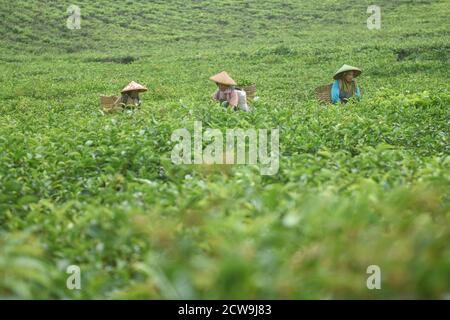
250,90
323,93
108,103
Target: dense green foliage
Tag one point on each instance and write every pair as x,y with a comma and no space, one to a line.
362,184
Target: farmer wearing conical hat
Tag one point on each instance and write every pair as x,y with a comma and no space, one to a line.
130,94
227,94
344,87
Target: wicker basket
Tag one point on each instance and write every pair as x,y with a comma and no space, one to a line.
250,91
108,103
323,93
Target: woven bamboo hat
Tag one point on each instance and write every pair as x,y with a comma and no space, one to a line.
134,86
223,78
346,68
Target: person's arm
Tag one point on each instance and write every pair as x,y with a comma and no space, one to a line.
335,92
215,95
243,100
233,99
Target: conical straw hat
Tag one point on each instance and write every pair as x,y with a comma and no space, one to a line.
346,68
134,86
223,78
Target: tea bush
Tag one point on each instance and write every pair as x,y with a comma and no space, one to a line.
362,184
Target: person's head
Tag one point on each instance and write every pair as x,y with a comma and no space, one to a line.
134,94
348,76
222,87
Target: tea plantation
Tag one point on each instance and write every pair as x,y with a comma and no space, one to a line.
361,184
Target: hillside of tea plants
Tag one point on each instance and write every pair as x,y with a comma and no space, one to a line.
361,184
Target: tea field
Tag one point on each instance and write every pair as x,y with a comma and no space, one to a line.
361,184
